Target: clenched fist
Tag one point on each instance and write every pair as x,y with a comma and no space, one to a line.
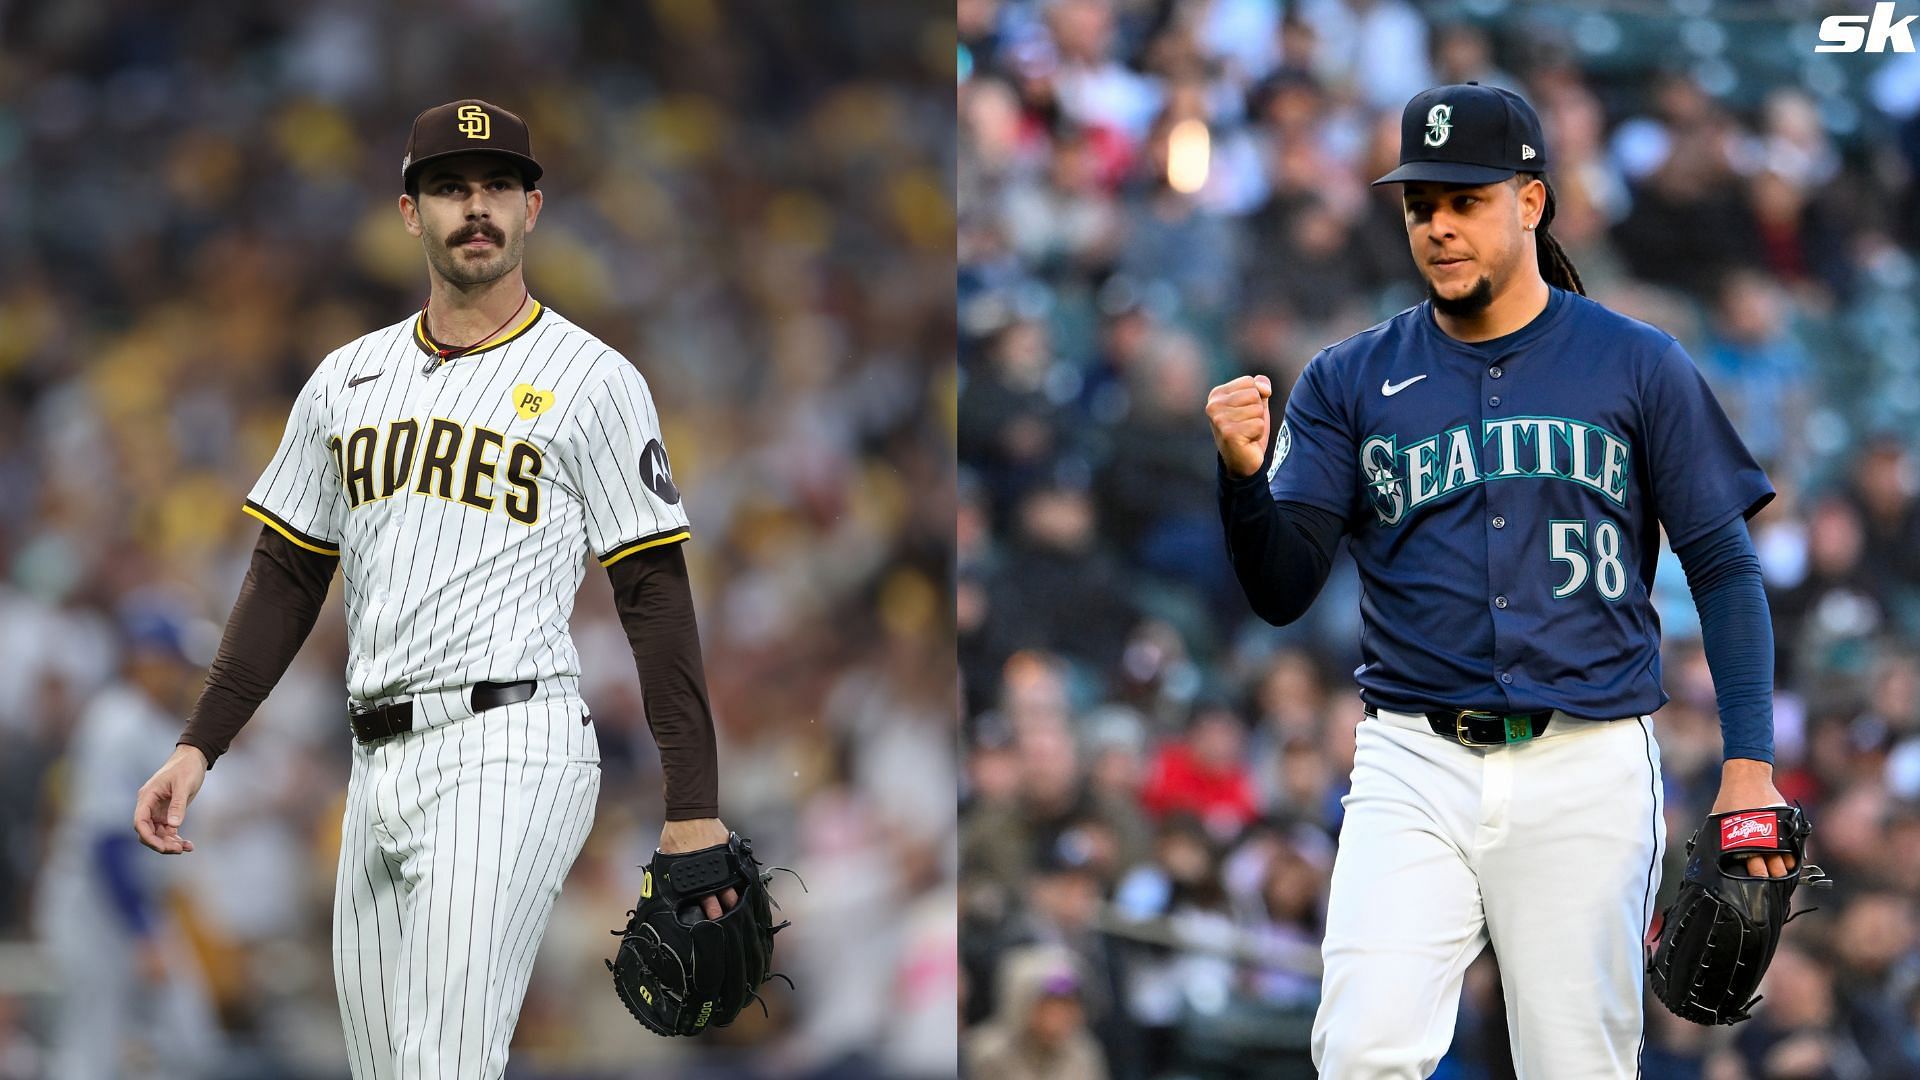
1237,411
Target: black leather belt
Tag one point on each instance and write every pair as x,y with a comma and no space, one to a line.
1478,727
371,723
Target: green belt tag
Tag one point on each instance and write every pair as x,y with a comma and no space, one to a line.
1519,729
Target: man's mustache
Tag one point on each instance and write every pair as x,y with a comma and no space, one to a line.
474,231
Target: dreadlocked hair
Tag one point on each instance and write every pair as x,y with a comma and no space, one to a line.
1555,267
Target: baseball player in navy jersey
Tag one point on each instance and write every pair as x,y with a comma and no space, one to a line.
1501,459
457,467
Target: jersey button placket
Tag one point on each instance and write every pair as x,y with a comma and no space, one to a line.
1497,556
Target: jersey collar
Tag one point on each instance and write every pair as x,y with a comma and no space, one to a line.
1494,348
426,345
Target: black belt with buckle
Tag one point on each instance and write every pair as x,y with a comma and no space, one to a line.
1479,727
372,723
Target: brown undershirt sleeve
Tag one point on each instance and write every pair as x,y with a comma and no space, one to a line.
650,589
279,602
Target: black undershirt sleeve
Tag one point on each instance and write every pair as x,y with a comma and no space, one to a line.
1281,551
278,605
655,600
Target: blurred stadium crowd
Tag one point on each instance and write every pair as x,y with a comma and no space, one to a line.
751,200
1156,195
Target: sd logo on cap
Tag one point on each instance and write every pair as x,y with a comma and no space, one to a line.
471,126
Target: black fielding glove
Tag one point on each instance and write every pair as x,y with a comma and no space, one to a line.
1718,936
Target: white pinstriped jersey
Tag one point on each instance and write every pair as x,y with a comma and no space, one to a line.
462,500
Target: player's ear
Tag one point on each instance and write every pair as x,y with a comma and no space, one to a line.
534,199
1533,200
410,216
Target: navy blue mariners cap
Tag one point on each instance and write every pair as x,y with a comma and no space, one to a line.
1468,134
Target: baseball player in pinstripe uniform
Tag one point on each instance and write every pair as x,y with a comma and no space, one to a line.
456,467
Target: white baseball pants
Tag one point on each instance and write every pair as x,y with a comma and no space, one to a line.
456,840
1548,849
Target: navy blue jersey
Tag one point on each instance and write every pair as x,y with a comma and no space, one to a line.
1503,500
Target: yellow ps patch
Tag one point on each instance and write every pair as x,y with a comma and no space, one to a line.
530,403
646,886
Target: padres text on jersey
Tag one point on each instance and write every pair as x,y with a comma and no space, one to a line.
456,497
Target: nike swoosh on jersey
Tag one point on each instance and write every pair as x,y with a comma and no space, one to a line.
351,383
1390,388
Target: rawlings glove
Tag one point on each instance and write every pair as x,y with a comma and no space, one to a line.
678,971
1717,937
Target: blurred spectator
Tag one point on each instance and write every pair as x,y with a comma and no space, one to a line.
1205,775
1463,52
1172,237
1011,428
1154,499
1802,1034
1759,371
1128,336
1058,589
1094,87
132,988
1116,772
1065,222
1883,491
1828,620
1377,47
1691,220
1040,1030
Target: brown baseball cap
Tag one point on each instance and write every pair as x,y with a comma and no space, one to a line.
469,126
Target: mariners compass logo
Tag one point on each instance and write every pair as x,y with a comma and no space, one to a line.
1439,124
1385,492
1282,446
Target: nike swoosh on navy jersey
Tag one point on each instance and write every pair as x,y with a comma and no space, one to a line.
1390,388
351,383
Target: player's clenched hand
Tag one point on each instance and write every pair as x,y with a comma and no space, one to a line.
679,836
1237,412
161,807
1748,785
